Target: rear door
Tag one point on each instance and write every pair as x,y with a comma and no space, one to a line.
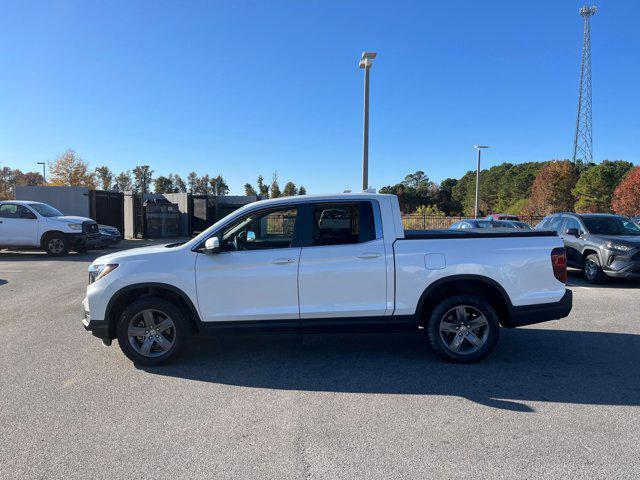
18,226
342,269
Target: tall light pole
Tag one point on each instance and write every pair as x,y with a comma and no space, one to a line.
44,174
365,63
479,148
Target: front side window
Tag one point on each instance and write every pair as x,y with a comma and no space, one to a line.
611,226
45,210
572,223
261,230
342,223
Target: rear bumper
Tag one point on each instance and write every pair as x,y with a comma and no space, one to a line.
530,314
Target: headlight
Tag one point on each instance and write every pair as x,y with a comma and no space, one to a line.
619,247
96,272
75,226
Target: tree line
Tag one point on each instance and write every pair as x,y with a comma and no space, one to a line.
531,188
69,169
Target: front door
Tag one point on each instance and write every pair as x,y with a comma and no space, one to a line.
572,244
18,226
255,276
343,263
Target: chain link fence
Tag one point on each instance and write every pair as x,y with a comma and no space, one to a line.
426,222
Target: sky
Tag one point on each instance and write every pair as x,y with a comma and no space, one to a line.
241,88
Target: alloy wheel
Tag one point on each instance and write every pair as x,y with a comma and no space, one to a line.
464,329
590,269
151,333
56,245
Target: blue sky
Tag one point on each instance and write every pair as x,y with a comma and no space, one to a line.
242,88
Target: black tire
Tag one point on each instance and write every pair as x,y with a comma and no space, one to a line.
179,334
56,244
592,270
478,310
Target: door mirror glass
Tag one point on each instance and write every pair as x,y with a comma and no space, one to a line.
251,236
212,245
573,231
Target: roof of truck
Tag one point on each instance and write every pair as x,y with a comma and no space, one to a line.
324,197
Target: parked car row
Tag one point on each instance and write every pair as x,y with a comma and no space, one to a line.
489,223
25,224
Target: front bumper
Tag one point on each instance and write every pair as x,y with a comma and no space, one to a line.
530,314
98,328
83,239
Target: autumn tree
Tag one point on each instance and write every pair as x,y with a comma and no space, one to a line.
122,182
552,189
626,197
179,185
275,187
142,178
104,177
249,190
289,190
192,182
68,169
10,178
597,183
302,190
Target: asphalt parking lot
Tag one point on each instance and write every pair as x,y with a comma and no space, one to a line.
556,400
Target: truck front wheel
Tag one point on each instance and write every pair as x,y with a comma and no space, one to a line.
152,331
463,329
56,244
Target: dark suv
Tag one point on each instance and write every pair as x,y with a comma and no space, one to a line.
602,245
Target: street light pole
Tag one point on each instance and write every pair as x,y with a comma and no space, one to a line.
365,63
479,148
44,174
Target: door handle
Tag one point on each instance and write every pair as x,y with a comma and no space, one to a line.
366,256
282,261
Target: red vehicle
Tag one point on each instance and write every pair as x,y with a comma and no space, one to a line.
502,216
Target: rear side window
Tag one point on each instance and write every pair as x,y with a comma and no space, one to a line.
554,223
9,210
342,223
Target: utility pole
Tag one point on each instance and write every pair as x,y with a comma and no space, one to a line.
583,139
365,63
44,173
479,148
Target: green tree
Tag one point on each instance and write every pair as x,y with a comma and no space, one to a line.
275,187
142,178
597,183
302,190
192,182
444,197
163,184
263,189
179,186
219,186
249,190
123,182
289,190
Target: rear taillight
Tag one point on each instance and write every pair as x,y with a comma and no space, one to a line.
559,264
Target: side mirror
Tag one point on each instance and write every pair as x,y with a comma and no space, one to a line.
212,245
573,231
251,236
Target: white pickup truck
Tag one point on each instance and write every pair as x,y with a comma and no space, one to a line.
327,263
25,224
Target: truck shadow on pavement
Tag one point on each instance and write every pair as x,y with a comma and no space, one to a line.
529,365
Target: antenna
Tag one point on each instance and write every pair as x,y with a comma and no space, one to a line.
583,139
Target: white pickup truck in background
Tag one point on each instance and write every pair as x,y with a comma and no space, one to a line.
327,263
25,224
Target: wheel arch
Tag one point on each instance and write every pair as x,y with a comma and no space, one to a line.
50,232
486,287
126,295
588,251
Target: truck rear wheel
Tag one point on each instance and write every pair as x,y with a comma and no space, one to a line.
153,331
463,329
56,244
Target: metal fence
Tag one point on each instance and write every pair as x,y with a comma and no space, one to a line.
426,222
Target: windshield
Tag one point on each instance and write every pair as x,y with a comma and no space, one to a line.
611,226
45,210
